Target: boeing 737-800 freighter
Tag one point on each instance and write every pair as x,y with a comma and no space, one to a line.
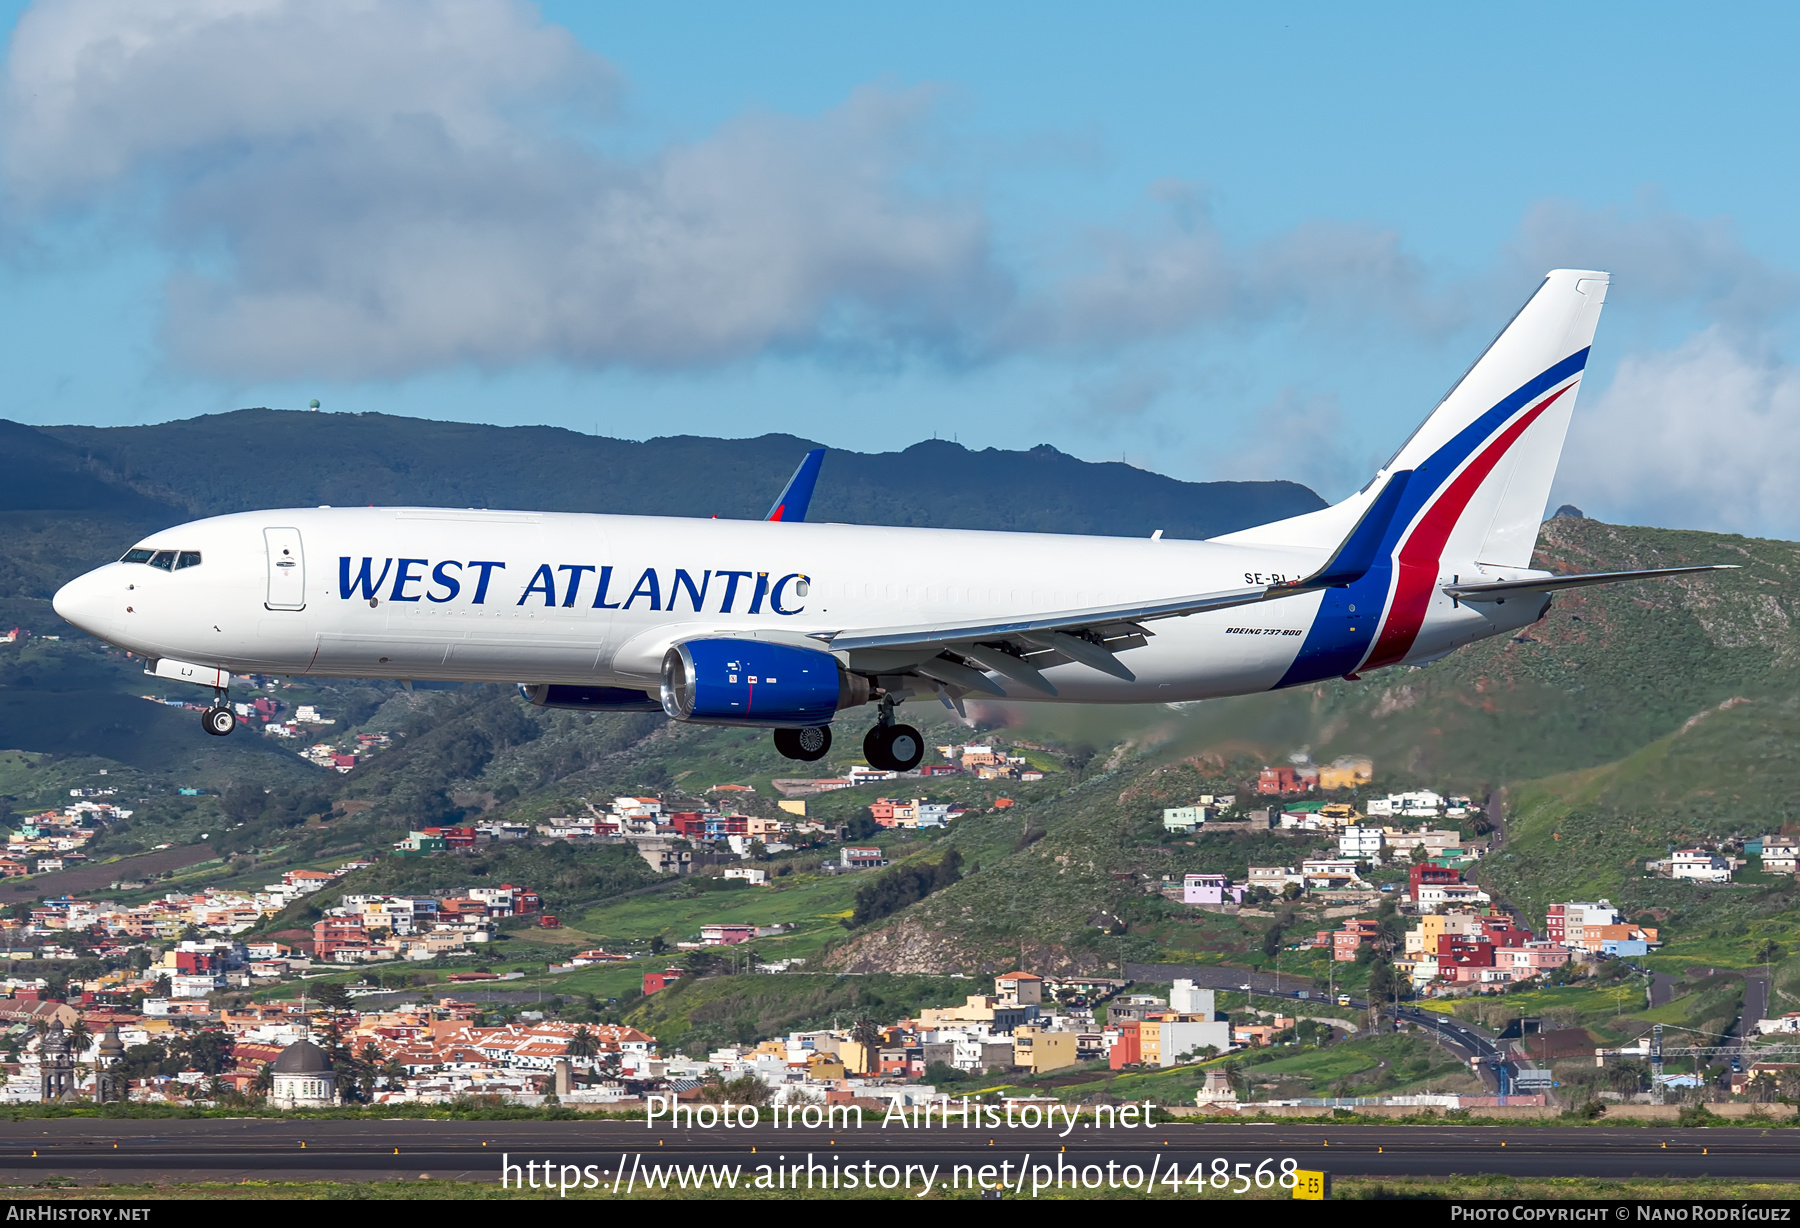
782,624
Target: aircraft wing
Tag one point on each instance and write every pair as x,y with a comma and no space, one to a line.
1500,590
1020,648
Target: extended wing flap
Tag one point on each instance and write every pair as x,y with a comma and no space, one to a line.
1499,590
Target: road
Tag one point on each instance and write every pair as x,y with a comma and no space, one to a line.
1737,1040
1463,1039
217,1150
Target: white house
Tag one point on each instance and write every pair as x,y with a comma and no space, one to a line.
1433,896
1779,855
1183,818
1699,865
1360,843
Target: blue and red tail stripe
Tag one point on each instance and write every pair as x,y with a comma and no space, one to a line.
1375,620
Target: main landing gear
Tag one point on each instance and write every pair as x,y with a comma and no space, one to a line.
219,719
805,745
891,747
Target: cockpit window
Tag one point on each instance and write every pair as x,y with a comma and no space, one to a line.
187,558
164,559
137,555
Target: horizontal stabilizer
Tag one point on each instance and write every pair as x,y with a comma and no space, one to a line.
796,496
1500,590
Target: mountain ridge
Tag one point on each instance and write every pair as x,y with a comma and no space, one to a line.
226,463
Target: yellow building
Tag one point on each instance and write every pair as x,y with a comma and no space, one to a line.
1039,1049
794,805
978,1009
825,1066
1348,772
855,1059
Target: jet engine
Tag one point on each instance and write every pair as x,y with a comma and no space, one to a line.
589,698
757,683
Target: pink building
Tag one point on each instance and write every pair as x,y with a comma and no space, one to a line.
726,935
1209,889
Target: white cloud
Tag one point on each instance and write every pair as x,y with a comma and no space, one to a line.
96,89
375,189
1122,285
1299,438
1703,437
378,188
1658,256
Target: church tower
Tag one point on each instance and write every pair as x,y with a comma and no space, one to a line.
110,1082
56,1065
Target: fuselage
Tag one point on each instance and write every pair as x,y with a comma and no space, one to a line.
529,597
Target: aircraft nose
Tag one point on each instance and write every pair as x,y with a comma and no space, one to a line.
86,602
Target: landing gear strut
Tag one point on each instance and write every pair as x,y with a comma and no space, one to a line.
891,747
219,719
806,745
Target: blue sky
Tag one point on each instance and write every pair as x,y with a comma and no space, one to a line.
1245,241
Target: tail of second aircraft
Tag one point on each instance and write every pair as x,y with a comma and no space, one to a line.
1478,471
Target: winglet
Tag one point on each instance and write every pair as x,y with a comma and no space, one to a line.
796,496
1356,554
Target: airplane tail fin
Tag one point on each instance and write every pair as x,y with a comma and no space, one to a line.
796,496
1483,461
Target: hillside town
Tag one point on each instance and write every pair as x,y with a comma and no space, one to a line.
162,1022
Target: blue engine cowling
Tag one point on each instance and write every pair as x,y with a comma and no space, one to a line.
590,698
756,683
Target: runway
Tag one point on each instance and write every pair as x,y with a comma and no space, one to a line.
212,1150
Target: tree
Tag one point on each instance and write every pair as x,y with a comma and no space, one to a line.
79,1036
745,1089
582,1043
904,885
867,1033
369,1063
1078,757
333,996
939,1073
208,1050
1238,1079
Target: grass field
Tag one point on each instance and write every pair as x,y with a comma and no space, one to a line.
810,902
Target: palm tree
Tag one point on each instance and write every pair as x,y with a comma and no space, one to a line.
583,1042
79,1040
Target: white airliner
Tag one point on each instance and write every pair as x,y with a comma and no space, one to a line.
782,624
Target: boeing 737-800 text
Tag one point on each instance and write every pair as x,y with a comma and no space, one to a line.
782,624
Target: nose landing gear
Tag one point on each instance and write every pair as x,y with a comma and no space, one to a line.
891,747
806,745
219,719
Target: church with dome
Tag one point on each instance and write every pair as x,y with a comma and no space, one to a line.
303,1078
